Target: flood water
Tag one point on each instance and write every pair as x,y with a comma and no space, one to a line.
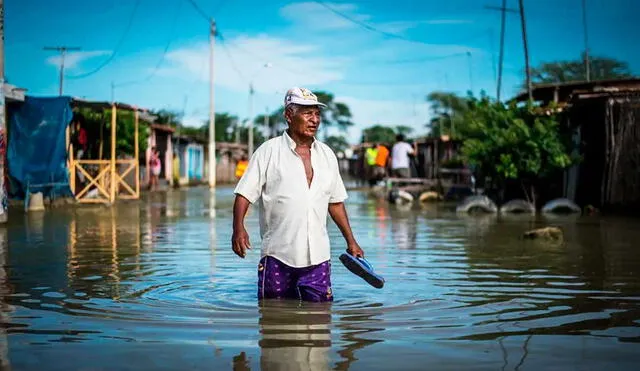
154,285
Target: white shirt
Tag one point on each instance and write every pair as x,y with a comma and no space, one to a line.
399,155
293,216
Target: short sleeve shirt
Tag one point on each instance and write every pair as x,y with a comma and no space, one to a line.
400,155
293,215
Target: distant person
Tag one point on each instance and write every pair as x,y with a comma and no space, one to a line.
175,166
155,166
400,161
370,166
382,159
241,166
295,179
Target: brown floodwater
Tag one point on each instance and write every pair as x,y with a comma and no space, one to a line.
153,284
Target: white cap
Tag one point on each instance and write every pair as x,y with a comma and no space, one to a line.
301,96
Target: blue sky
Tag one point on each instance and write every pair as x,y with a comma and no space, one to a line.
383,79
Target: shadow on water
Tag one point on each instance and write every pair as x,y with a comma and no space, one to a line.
153,284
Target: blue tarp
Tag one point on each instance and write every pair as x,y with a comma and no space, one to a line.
37,152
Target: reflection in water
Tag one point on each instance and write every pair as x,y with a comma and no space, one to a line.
153,284
294,337
5,310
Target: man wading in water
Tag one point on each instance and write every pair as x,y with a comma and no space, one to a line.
296,181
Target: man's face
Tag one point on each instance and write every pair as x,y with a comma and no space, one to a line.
305,122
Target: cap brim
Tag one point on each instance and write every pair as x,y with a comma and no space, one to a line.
307,103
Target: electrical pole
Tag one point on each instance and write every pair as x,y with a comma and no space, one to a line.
212,115
470,74
526,50
503,19
587,62
63,53
493,56
4,199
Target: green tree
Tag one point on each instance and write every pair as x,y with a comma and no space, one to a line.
336,114
519,143
404,130
225,128
338,143
168,117
275,123
448,113
97,123
601,68
379,134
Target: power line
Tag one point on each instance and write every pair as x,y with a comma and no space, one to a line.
281,66
199,10
63,53
117,48
231,60
164,52
418,60
503,9
368,26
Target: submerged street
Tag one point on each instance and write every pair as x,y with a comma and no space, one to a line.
153,283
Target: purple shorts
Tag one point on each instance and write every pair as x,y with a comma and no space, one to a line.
277,280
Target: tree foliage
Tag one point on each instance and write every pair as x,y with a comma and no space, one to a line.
509,142
601,68
379,134
448,113
336,114
338,143
97,123
275,123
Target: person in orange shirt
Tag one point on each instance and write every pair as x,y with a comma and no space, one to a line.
241,166
382,157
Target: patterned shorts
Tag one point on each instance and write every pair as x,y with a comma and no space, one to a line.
277,280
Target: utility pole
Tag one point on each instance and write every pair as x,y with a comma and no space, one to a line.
63,53
493,56
4,199
587,62
526,50
212,115
470,74
503,9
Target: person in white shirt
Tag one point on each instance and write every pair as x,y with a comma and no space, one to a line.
400,157
295,180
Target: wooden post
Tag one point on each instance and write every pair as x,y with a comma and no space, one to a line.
113,153
71,166
137,152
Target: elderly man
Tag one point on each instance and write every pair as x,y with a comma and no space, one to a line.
296,181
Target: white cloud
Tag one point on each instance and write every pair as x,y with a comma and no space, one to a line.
312,15
73,59
242,62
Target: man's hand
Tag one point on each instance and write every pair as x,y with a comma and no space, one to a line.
240,242
339,215
240,238
355,250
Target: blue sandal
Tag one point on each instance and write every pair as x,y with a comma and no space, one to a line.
362,268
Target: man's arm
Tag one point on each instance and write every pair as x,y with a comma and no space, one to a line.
339,215
240,238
